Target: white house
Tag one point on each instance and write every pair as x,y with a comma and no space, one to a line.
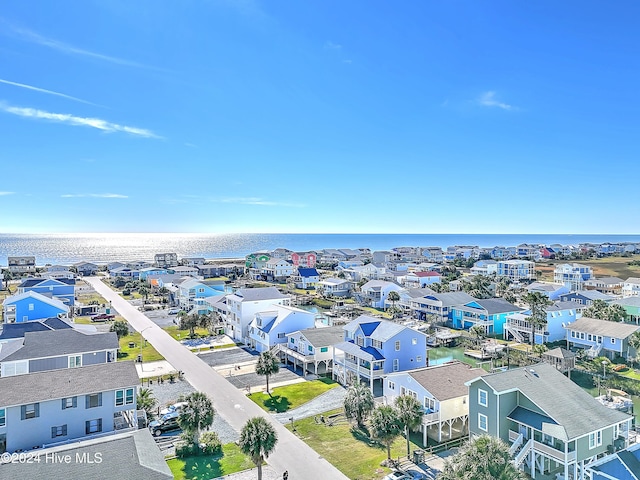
374,293
631,287
421,279
277,269
484,267
270,327
311,349
336,287
572,275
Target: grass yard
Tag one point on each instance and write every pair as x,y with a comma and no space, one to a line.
178,334
291,396
350,450
204,467
602,267
149,354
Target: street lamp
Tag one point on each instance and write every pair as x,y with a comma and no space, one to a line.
604,369
142,339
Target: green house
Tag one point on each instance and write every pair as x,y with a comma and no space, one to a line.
551,424
631,305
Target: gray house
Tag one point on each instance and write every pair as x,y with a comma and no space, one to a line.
56,349
61,405
552,425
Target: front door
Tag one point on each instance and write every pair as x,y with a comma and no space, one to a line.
3,443
524,431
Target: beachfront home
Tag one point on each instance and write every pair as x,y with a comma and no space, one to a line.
374,293
335,287
433,254
242,306
585,297
489,313
631,287
86,269
124,272
503,253
551,424
516,270
210,271
145,273
28,306
518,326
62,289
20,265
631,306
601,337
55,349
58,272
369,271
572,275
551,290
525,250
421,279
269,328
373,347
303,259
192,261
437,306
606,285
166,260
443,392
185,271
306,278
277,270
61,405
311,349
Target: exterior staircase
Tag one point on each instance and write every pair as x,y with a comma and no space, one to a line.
521,456
594,351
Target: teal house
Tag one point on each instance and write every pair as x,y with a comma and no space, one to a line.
490,313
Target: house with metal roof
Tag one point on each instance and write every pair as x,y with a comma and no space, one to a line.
631,305
489,313
28,306
311,349
518,327
631,287
601,337
373,347
269,328
442,391
438,305
551,424
551,290
44,408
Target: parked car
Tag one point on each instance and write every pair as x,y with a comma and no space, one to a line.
174,311
397,476
176,407
101,317
165,423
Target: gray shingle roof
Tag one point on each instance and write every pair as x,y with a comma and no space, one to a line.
257,294
576,412
62,342
128,455
452,298
448,380
628,301
604,328
67,382
322,337
497,305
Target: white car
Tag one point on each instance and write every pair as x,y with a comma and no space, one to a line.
174,311
176,407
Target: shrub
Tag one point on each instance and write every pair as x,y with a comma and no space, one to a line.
210,443
126,292
186,449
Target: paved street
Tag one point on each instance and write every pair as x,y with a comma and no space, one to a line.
291,453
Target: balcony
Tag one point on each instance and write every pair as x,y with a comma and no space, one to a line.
547,449
362,366
430,418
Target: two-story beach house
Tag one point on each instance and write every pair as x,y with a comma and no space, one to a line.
311,349
443,392
516,270
62,289
22,264
438,306
242,306
60,405
631,287
601,337
28,306
485,267
489,313
419,279
86,269
551,424
335,287
559,314
191,294
165,260
374,293
373,347
269,328
572,275
306,278
551,290
585,297
606,285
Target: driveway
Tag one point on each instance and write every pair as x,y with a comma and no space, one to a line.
291,453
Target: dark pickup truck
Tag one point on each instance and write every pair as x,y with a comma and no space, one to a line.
102,317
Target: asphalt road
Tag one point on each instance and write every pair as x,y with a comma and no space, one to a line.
290,454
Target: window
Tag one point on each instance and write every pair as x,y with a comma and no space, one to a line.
128,398
595,439
3,417
324,349
414,341
93,426
613,341
59,431
69,402
482,398
397,345
75,361
392,386
281,335
92,401
292,340
201,290
482,422
31,307
396,364
419,359
31,410
310,348
360,340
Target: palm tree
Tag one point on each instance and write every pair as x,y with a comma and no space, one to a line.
537,302
634,342
393,297
410,414
616,312
257,440
481,458
597,309
385,426
268,364
144,291
478,332
196,415
146,401
358,403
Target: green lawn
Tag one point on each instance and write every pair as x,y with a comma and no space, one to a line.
291,396
149,354
178,334
204,467
349,449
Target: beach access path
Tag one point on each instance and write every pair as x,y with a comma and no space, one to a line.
291,453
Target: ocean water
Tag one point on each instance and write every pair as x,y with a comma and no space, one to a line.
70,248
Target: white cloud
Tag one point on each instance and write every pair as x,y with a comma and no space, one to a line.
332,46
259,201
69,119
49,92
488,99
6,193
94,195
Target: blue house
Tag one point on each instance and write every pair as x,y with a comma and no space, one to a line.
373,347
559,314
27,306
62,289
145,272
490,313
306,278
601,337
191,294
551,290
586,297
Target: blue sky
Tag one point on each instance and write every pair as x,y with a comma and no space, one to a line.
328,117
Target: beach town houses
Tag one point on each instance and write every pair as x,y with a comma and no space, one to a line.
551,290
374,293
553,426
585,297
601,337
631,287
191,294
58,272
165,260
631,306
20,265
484,267
147,272
443,393
421,279
54,349
335,287
438,306
54,406
559,314
433,254
62,289
306,278
311,349
28,306
516,270
489,313
192,261
86,269
606,285
572,275
369,272
242,305
373,347
269,328
277,270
